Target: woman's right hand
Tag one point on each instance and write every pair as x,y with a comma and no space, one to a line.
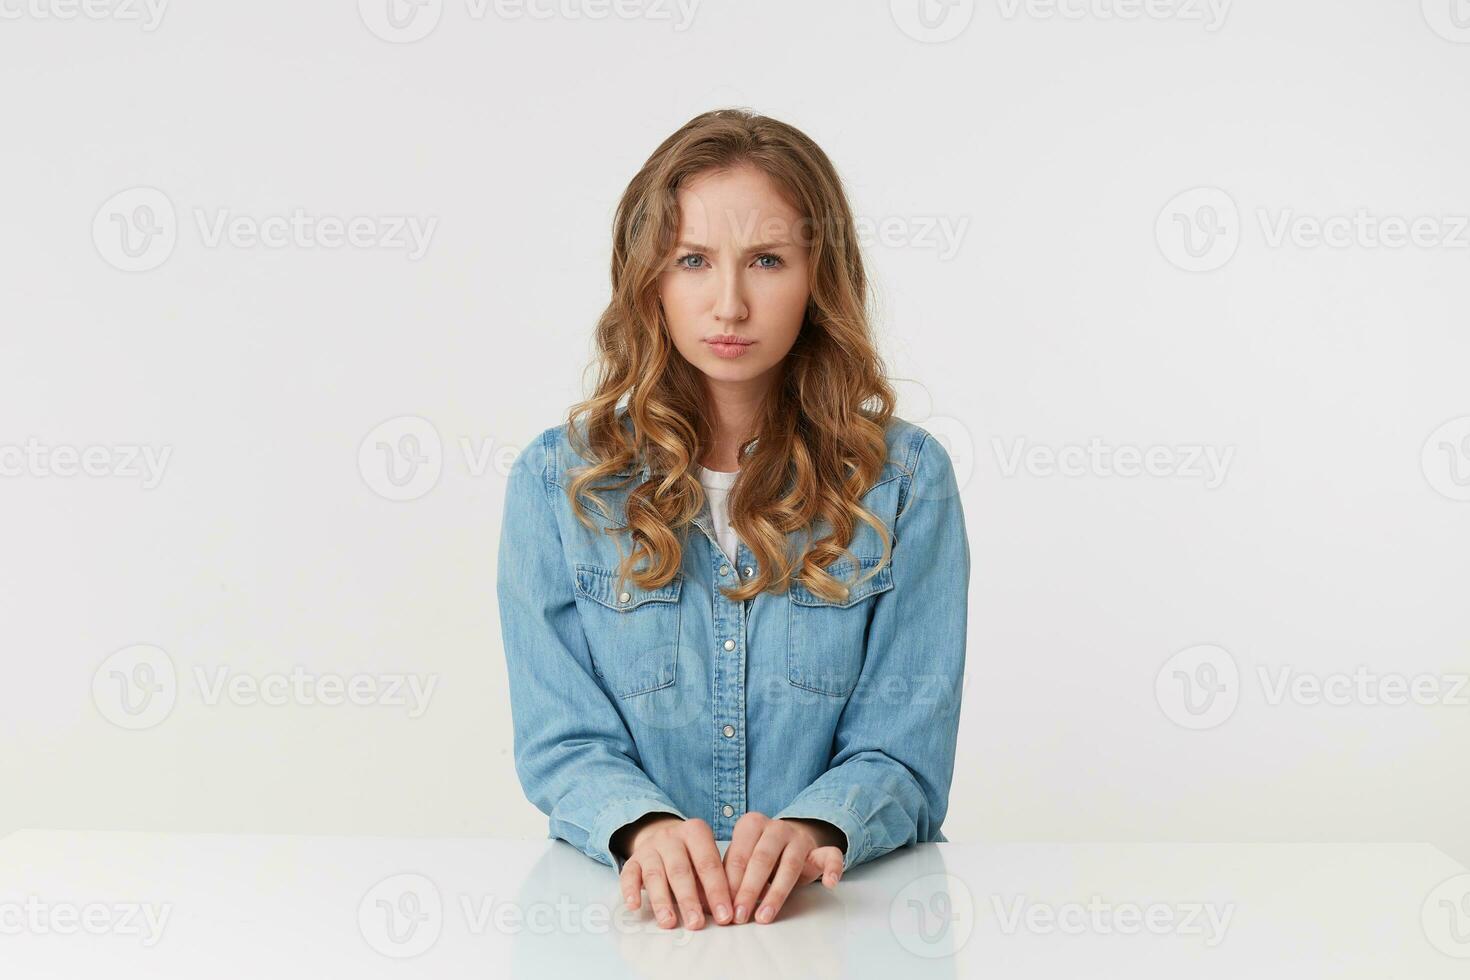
667,853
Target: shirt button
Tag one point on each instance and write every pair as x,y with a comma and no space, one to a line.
729,644
728,810
624,597
729,731
724,569
749,571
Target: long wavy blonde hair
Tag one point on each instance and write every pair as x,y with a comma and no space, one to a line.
819,441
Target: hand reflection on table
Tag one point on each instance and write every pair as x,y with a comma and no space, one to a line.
818,934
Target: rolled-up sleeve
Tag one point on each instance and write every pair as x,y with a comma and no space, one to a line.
894,749
574,756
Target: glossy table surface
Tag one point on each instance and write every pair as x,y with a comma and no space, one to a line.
103,904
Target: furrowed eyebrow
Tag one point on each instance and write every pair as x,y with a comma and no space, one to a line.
762,247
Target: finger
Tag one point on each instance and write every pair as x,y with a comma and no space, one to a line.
742,842
705,856
656,880
681,878
757,873
630,880
788,871
703,898
823,862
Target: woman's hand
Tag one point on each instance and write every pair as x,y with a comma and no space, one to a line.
797,850
668,852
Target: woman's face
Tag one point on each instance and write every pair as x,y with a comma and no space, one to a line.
738,272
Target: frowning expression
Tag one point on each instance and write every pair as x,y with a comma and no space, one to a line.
735,289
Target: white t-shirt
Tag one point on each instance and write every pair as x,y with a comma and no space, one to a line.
717,487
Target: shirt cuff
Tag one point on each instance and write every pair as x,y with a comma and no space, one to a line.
617,816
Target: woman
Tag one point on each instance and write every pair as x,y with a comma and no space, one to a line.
733,584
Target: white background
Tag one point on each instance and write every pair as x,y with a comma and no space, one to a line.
1056,146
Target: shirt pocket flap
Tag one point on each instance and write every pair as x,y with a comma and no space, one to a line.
843,571
601,586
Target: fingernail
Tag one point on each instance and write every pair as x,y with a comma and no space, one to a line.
664,915
741,912
765,914
722,912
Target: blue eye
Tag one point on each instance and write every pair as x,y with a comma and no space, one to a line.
776,261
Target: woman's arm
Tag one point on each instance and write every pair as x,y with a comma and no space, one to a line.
575,758
888,784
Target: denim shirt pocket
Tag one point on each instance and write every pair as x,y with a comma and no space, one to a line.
826,638
632,632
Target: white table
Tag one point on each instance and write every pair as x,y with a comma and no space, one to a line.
76,905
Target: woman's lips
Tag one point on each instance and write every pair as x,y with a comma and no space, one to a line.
729,350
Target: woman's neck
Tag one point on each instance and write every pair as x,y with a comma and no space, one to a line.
734,409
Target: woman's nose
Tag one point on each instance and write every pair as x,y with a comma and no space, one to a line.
730,302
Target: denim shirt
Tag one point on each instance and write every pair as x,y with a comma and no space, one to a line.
628,701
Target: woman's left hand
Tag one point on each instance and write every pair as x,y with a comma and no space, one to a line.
795,850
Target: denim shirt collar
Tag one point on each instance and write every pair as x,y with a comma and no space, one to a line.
704,519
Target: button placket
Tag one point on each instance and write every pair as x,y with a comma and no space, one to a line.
728,687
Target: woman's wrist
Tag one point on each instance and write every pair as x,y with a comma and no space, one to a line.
827,834
625,840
